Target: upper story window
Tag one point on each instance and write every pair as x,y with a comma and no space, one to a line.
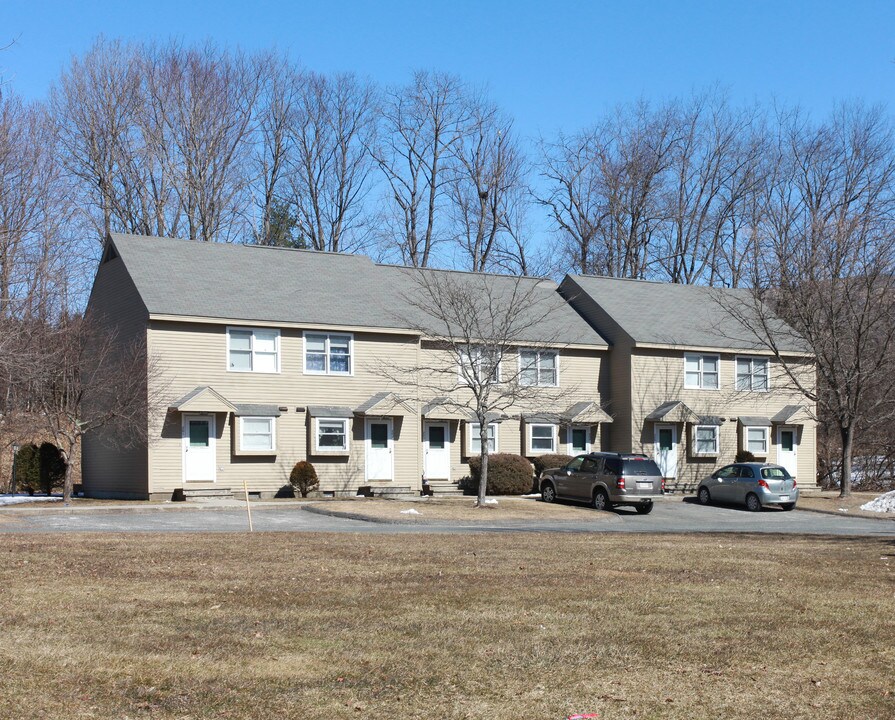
701,371
752,373
538,367
477,363
328,354
253,350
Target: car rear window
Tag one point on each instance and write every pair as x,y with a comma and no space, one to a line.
775,473
641,466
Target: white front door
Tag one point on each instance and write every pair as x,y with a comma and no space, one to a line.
437,450
198,448
380,449
788,449
579,439
666,450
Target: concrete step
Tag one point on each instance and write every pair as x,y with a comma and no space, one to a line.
446,489
387,491
192,493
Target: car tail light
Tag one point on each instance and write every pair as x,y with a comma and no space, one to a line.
764,484
794,483
620,483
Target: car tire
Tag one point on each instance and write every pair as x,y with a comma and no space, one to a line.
600,500
548,492
644,508
703,496
753,504
788,506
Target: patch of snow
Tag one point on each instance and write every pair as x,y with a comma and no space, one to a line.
490,501
411,511
843,509
884,503
20,499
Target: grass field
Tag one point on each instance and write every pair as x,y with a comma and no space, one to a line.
503,626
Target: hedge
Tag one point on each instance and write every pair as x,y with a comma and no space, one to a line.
507,474
546,462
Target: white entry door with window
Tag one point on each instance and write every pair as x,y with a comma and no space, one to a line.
380,449
579,439
198,448
787,449
437,450
666,450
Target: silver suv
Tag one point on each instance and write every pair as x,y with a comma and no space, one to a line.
605,479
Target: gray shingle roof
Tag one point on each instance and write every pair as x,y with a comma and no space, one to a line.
252,283
688,315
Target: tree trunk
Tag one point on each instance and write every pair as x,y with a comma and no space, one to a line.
483,477
67,486
847,434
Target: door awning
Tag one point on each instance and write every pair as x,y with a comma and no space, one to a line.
586,413
441,408
673,411
793,415
202,399
384,404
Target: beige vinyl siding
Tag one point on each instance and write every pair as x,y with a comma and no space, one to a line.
658,377
195,354
109,466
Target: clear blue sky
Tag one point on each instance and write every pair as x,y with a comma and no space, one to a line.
550,64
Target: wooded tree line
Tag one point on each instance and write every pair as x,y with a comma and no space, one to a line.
218,145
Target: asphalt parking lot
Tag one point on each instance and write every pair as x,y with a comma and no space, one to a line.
671,515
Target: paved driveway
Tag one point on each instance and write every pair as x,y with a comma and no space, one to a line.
669,516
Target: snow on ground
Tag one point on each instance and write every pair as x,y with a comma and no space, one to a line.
884,503
19,499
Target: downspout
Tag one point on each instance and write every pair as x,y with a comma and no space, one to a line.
419,416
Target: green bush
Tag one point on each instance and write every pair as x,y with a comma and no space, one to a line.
545,462
52,467
303,477
744,456
507,474
28,469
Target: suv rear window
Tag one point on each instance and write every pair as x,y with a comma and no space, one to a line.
642,466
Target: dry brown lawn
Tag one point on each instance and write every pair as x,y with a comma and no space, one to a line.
447,509
486,626
831,502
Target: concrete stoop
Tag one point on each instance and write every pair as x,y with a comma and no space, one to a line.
445,490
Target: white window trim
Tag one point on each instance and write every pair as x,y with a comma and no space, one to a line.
461,380
701,356
736,381
695,449
539,351
470,435
587,445
253,330
530,436
767,439
331,450
273,435
328,335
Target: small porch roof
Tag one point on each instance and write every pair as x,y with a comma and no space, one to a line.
586,413
441,408
673,411
384,404
792,415
202,399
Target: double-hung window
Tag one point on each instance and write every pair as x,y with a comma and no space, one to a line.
475,440
328,354
477,364
701,371
253,350
756,440
752,373
538,367
257,434
332,435
541,438
706,440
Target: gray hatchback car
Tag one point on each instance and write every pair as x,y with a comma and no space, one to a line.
751,484
605,479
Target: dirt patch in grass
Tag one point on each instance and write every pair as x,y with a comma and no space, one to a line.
441,509
489,626
831,502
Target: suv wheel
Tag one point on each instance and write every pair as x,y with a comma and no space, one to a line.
704,497
601,500
644,508
753,504
548,492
